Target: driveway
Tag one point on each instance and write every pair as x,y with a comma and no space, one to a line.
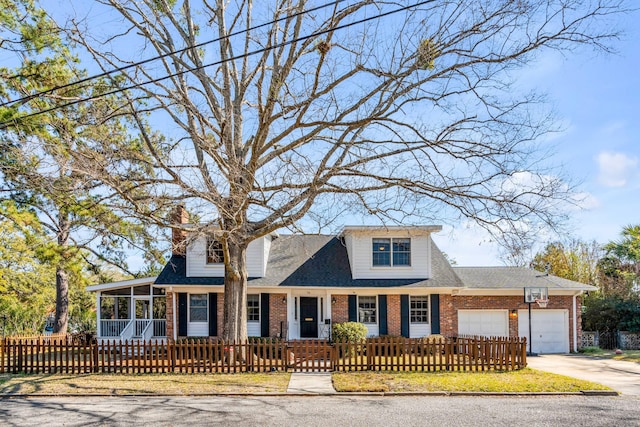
623,377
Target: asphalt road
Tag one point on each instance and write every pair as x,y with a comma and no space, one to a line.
323,411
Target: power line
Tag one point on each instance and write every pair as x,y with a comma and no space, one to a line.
4,124
155,58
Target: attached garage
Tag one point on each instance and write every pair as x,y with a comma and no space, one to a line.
483,322
550,330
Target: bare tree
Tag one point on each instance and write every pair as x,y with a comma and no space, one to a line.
402,111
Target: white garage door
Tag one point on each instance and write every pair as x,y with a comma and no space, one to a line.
549,330
483,322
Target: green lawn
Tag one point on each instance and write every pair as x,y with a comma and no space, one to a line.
121,384
627,355
525,380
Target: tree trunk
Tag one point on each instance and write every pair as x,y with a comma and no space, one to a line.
62,301
62,275
235,294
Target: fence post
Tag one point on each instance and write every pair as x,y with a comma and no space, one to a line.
95,359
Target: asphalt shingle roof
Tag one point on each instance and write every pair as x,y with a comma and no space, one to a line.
313,260
319,260
514,278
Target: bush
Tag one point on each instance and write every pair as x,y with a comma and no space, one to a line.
590,350
349,332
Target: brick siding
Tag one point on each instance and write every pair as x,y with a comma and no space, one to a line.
340,309
450,304
394,322
277,315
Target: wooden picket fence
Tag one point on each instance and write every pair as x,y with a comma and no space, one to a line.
67,356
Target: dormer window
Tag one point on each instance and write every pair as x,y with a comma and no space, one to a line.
215,252
391,252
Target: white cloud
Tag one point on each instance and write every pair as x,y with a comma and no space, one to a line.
615,169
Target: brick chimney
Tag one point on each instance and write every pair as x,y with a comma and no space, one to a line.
178,236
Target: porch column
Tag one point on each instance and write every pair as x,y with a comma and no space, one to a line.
99,316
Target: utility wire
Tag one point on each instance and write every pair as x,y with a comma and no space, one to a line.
155,58
5,124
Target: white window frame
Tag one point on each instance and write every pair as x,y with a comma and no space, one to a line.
210,241
376,308
206,308
411,309
257,296
392,262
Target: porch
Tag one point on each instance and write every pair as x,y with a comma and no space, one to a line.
131,313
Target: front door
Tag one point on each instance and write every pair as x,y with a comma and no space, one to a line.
308,317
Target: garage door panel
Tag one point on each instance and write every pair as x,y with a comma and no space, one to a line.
549,330
483,322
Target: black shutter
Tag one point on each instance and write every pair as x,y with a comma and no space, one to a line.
353,308
213,314
435,313
404,315
382,316
182,314
264,315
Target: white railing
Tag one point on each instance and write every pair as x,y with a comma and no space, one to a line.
139,326
147,333
159,327
113,328
127,333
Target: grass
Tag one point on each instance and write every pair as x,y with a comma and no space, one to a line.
120,384
627,355
525,380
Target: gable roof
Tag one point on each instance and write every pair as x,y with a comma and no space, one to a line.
514,278
314,261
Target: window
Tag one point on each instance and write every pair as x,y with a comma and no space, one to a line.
215,253
391,252
253,308
419,309
367,309
198,307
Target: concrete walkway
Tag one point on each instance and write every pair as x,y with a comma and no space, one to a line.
621,376
311,383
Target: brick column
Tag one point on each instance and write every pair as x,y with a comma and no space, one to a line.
394,322
277,314
170,326
340,309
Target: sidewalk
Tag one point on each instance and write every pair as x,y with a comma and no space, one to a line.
311,383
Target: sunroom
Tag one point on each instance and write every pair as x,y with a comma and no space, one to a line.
130,309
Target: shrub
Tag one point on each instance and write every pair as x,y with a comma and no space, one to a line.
349,332
590,350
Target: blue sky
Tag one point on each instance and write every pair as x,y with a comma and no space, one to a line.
597,99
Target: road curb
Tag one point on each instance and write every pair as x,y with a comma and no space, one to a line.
589,393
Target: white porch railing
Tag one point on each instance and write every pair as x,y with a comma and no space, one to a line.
127,333
113,328
159,327
139,327
126,329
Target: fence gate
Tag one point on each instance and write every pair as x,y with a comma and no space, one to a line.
608,340
309,356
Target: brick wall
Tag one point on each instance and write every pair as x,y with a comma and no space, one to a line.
450,304
220,315
169,311
394,322
340,309
277,314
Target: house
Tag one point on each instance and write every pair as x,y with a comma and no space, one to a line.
395,280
